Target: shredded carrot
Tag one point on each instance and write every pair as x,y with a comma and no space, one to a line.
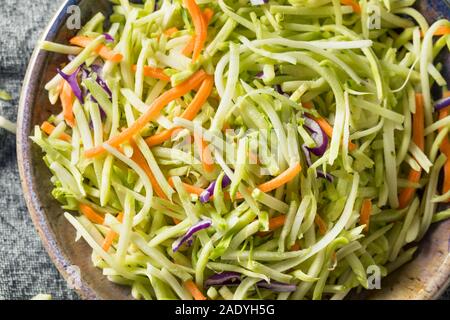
418,137
273,184
67,97
200,99
171,31
176,221
295,247
152,112
274,224
277,222
282,179
321,224
48,129
446,183
366,211
91,214
199,25
111,235
226,126
156,73
161,137
445,149
204,152
102,50
189,114
354,4
207,14
189,47
441,31
139,158
326,127
194,290
418,123
189,188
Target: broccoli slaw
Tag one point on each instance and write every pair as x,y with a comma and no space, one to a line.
250,149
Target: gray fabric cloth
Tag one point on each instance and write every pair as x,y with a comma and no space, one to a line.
25,268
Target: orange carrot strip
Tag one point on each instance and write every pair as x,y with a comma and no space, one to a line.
176,221
282,179
48,129
326,127
446,183
441,31
139,158
295,247
170,32
418,137
161,137
102,50
418,123
321,224
205,154
199,25
366,211
277,222
111,235
407,194
189,114
274,224
156,73
189,188
354,4
207,14
189,47
194,290
445,149
200,99
152,112
67,97
91,214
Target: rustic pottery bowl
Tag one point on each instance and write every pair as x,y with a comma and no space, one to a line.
426,277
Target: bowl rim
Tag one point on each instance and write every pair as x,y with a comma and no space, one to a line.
23,147
24,159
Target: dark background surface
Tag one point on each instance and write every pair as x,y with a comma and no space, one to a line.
25,268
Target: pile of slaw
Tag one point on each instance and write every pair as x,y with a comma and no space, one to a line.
250,149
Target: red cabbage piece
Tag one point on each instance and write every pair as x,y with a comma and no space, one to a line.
441,104
318,135
307,155
204,224
276,286
324,175
108,37
209,192
72,80
104,85
260,75
234,279
224,278
320,173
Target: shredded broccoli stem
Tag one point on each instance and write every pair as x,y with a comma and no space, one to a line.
306,113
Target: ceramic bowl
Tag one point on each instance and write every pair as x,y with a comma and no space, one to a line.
423,278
